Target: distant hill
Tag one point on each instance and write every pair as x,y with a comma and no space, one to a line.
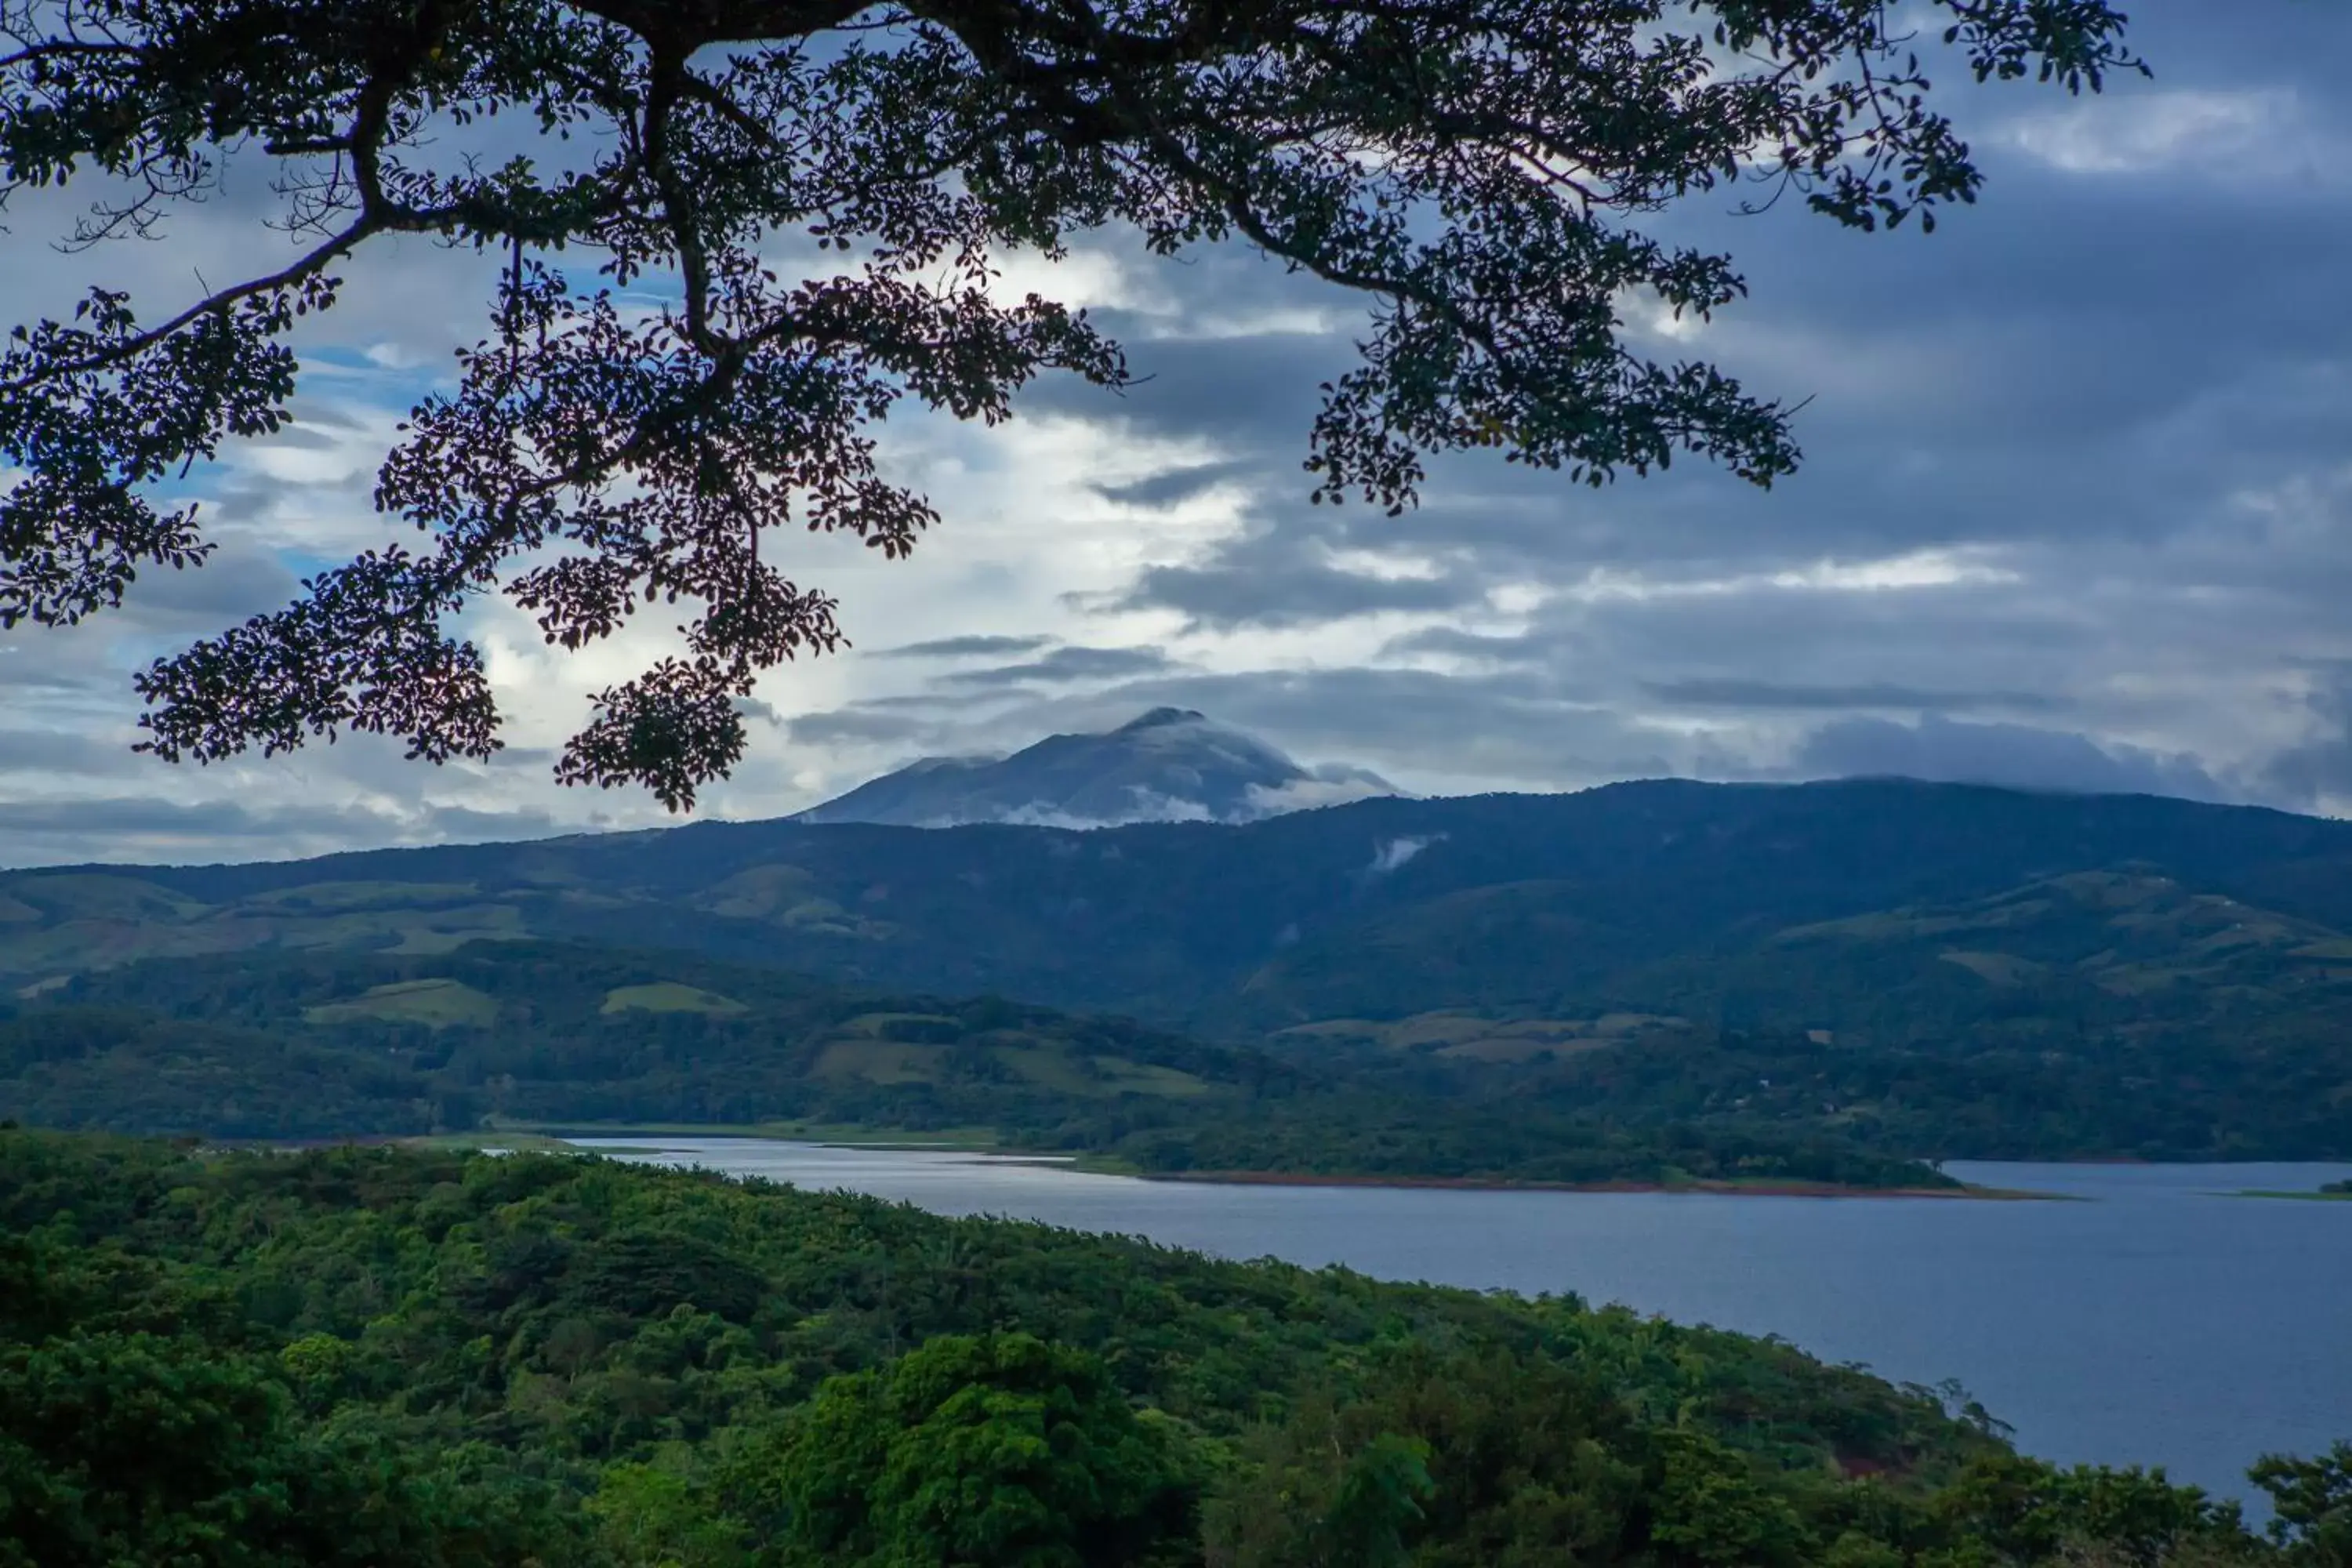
295,1044
1383,909
522,1035
2177,977
1172,765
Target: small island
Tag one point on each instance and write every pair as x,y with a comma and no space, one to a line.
1666,1181
2328,1192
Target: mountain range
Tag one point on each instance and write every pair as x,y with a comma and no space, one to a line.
1935,969
1172,765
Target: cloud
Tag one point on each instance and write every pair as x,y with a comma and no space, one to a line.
848,726
1326,785
1066,664
2217,134
2075,513
1475,647
2318,771
1147,807
1394,854
1175,486
983,647
1271,577
1732,692
48,753
2017,756
149,829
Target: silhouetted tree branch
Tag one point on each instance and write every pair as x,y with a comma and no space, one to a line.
1473,167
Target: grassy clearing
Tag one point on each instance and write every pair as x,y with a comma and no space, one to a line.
325,896
435,1003
1998,969
96,896
1123,1077
1468,1036
668,996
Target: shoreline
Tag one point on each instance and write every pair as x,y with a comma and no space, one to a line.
2312,1197
1758,1189
962,1141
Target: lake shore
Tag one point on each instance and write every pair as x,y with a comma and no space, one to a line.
1760,1189
549,1136
965,1141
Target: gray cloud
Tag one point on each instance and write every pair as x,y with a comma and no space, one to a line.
1066,664
2017,756
127,827
447,823
1731,691
753,707
44,753
2320,769
963,647
1274,577
1482,648
231,586
855,726
1173,488
2090,437
156,814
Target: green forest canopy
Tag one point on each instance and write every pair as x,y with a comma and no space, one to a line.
274,1046
388,1357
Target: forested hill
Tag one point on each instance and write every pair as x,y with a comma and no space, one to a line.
391,1358
535,1036
1384,909
1925,970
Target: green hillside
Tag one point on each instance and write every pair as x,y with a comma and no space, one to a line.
527,1032
1386,906
389,1357
2093,1014
525,1035
1926,969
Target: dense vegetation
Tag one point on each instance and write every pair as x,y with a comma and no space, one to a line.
1378,910
507,1034
2222,1096
1926,970
392,1357
1711,979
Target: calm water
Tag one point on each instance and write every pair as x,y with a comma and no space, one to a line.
2160,1322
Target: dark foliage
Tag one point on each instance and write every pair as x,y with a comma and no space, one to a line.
1924,970
1476,170
397,1357
277,1047
1511,901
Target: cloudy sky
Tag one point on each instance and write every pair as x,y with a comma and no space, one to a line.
2076,512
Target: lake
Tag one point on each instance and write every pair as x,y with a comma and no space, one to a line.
2157,1321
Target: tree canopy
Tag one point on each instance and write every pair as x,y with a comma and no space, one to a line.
1479,170
403,1356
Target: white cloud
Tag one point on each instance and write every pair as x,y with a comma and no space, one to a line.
1394,854
1947,567
2265,131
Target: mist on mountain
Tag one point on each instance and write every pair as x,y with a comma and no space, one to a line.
1171,764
